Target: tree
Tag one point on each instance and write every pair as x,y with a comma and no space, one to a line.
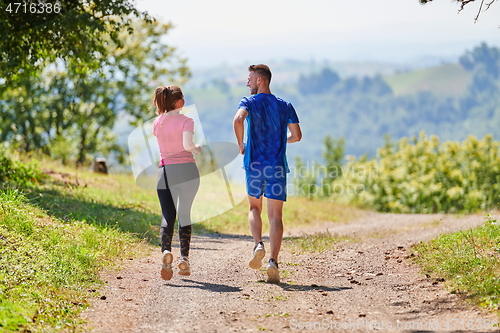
483,94
34,32
333,154
315,180
143,63
26,111
482,58
463,3
318,83
124,82
63,106
305,180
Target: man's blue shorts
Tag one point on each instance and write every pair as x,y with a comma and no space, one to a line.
267,181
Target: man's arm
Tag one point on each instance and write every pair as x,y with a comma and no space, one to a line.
295,134
239,128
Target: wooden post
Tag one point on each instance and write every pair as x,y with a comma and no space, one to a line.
100,165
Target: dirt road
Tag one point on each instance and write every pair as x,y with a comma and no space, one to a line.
363,286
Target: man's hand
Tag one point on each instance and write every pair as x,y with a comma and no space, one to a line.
295,134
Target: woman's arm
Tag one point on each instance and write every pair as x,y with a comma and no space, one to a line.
187,142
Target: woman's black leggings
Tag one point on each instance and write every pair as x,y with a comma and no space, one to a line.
177,186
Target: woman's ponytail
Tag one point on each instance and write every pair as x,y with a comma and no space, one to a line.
165,98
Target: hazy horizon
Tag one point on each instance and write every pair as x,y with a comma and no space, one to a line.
389,31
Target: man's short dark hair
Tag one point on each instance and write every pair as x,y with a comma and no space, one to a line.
261,70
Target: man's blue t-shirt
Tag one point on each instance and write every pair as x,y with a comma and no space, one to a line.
268,119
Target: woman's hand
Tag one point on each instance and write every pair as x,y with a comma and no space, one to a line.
187,142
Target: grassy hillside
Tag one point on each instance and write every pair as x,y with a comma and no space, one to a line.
448,80
467,261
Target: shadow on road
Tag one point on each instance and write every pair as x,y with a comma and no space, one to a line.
214,287
298,287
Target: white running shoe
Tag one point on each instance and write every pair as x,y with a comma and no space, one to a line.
273,274
184,266
258,254
166,268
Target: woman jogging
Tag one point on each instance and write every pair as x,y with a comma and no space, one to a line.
178,177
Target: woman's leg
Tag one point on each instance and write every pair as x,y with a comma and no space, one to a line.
168,211
187,193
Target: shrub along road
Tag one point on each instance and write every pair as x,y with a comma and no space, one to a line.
367,284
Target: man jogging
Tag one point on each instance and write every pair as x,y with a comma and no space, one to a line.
269,117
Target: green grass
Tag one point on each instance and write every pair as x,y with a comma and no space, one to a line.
110,201
448,80
56,235
47,267
280,297
469,262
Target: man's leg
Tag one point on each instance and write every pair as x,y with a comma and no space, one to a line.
255,221
275,214
275,193
254,218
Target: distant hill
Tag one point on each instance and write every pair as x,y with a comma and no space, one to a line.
447,80
290,70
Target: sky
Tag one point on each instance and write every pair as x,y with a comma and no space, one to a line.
216,32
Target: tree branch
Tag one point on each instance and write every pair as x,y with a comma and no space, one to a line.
479,12
489,4
463,3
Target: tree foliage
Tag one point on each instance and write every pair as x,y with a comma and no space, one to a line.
305,180
80,31
333,154
482,58
314,180
69,113
318,83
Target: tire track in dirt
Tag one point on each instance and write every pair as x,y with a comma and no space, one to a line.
368,285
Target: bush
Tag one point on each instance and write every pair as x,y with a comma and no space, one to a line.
424,176
16,173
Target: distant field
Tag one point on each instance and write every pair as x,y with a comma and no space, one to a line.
448,80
